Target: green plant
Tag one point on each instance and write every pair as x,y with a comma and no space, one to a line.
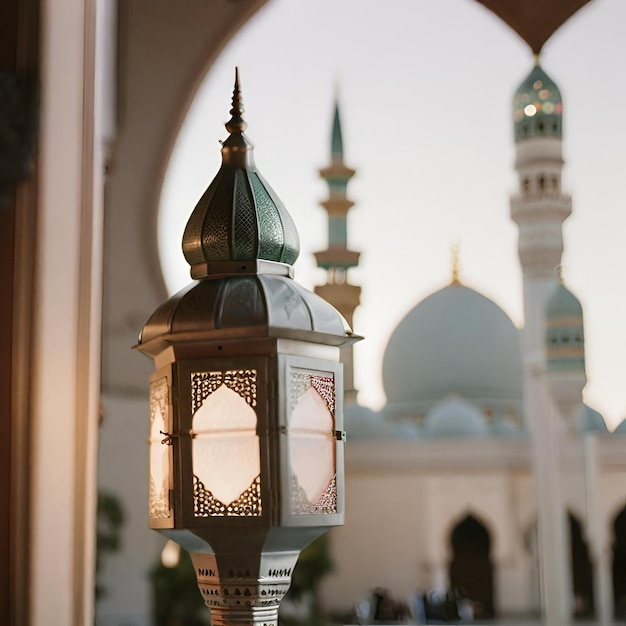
176,600
109,521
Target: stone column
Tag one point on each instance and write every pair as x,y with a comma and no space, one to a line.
598,542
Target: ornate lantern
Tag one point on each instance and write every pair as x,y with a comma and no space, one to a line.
246,426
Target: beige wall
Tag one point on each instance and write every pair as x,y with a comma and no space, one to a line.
404,499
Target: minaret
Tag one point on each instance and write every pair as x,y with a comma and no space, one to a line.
540,208
337,259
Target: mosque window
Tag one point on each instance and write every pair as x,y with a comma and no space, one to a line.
542,183
526,184
540,127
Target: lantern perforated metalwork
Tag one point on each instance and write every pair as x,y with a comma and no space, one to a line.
246,416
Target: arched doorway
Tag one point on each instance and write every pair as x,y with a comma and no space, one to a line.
619,564
471,569
582,571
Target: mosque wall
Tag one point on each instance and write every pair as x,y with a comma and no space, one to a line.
398,533
400,518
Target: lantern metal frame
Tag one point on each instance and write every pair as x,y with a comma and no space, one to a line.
243,314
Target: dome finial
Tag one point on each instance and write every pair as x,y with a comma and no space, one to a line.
455,248
236,124
537,59
560,271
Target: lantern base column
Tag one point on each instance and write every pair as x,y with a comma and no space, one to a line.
243,588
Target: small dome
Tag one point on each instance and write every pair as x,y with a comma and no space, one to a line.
621,428
506,428
565,338
454,341
590,420
455,417
537,107
360,423
405,430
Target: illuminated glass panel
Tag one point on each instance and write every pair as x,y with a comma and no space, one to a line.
160,453
311,435
225,448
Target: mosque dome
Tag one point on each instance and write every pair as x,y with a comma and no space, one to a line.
537,107
454,341
590,420
455,417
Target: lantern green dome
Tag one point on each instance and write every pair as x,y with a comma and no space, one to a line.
239,217
537,107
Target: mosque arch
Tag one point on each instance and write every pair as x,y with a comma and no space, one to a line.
619,564
581,567
471,568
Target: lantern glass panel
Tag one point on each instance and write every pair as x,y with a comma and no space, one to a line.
226,457
160,453
312,444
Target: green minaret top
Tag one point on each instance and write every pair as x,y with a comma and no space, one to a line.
565,337
336,139
337,258
239,217
537,107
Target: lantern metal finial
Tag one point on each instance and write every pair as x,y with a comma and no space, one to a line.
236,124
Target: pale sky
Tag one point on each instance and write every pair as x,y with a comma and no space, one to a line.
425,90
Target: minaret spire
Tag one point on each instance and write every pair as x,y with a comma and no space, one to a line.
337,259
336,144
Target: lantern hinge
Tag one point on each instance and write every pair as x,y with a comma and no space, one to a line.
341,435
169,438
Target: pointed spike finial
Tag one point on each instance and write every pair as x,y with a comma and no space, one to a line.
236,124
455,263
537,59
336,142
